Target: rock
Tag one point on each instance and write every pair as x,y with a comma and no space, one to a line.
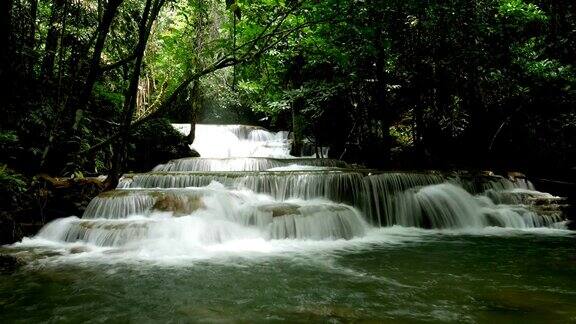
9,263
281,209
194,153
109,225
179,205
114,193
155,142
78,249
513,175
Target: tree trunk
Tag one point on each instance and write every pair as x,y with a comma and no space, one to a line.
51,45
149,15
384,110
195,94
79,105
295,81
32,37
94,70
297,132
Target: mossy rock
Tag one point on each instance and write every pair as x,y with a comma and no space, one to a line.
10,263
89,225
178,205
281,209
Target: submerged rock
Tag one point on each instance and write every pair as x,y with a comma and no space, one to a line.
78,249
109,225
10,263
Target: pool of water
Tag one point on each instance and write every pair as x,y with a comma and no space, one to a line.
397,274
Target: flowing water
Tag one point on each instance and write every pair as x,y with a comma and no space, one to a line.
248,233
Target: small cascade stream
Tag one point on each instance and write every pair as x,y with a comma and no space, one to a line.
246,188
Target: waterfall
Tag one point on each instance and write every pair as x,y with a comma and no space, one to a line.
446,205
200,217
246,188
335,185
245,164
221,141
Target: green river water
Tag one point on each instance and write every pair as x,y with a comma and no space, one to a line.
395,274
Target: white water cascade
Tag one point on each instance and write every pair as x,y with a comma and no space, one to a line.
246,188
224,141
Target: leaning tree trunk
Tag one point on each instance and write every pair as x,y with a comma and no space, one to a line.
150,14
94,70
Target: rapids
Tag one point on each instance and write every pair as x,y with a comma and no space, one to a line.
246,188
248,233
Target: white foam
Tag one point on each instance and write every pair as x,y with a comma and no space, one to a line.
222,141
176,251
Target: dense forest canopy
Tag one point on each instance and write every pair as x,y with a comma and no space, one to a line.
90,85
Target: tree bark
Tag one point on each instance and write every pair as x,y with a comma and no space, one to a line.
51,45
150,13
94,70
195,94
266,41
31,44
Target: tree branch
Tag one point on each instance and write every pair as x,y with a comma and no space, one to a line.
270,40
115,65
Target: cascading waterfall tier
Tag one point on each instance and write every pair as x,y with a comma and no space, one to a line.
446,205
222,141
246,188
340,186
246,164
387,198
203,216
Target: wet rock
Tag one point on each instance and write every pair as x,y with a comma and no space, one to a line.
114,194
284,209
281,209
111,225
78,249
513,175
525,197
179,205
487,173
155,142
194,153
9,263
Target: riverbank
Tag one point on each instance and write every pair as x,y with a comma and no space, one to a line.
44,199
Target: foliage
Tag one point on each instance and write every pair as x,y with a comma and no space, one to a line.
12,184
154,143
447,82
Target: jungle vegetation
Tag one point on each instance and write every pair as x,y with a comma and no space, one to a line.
89,86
